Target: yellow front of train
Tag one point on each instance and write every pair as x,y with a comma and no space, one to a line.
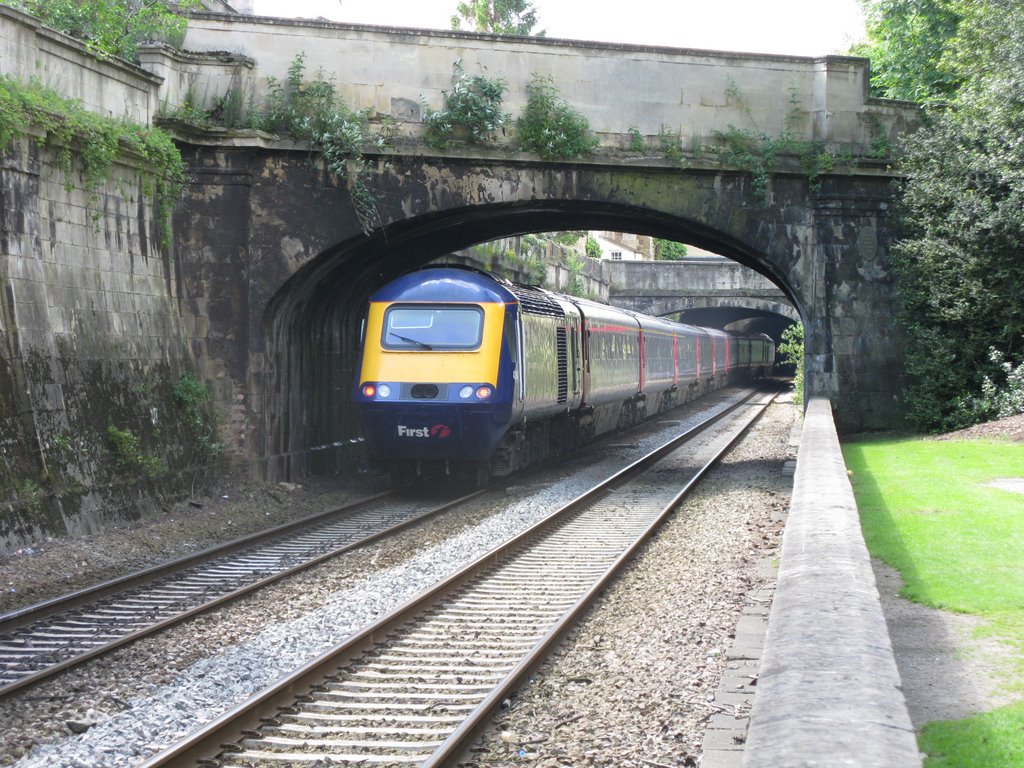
436,380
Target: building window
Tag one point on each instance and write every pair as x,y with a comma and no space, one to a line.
616,255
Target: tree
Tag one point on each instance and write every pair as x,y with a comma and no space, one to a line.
791,352
668,250
113,28
500,17
959,268
907,43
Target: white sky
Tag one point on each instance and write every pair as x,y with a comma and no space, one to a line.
798,27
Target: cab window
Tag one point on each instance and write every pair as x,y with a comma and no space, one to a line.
428,328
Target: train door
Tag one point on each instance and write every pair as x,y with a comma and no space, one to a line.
675,359
514,339
643,360
576,361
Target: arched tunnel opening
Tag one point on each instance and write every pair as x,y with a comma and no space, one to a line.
312,325
736,318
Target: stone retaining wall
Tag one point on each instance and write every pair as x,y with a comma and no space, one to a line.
90,333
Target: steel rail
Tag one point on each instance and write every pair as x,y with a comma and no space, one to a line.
242,721
208,557
63,603
459,741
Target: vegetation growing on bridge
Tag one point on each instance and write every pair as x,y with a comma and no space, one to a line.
87,145
550,126
755,151
472,110
314,111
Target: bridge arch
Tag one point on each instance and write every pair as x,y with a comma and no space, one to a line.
285,340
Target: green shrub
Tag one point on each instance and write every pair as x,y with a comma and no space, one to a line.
791,350
550,127
195,399
999,398
129,455
472,109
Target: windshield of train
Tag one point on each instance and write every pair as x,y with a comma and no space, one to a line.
430,328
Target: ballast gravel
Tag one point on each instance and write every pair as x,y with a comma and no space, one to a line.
634,685
631,687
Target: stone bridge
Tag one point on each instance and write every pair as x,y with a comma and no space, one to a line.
270,265
701,287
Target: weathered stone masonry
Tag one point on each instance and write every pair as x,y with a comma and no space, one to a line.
91,339
90,332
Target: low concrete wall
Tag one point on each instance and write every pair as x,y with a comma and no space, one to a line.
828,693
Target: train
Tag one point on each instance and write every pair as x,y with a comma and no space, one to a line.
466,373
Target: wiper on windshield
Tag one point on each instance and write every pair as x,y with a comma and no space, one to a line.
417,342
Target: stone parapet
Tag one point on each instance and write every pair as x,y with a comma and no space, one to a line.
619,88
828,691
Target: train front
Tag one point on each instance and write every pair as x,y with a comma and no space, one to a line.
435,387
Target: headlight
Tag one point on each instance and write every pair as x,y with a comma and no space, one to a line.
384,390
466,391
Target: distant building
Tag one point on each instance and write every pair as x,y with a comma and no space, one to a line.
624,246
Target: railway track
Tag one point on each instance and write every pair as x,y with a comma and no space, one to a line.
415,687
41,640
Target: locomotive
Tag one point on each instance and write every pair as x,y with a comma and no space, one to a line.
466,372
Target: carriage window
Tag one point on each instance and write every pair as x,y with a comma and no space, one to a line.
452,327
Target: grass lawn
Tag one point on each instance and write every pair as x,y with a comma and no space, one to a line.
926,510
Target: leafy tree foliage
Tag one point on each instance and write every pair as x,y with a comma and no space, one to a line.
907,41
791,352
668,250
113,28
501,17
960,267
